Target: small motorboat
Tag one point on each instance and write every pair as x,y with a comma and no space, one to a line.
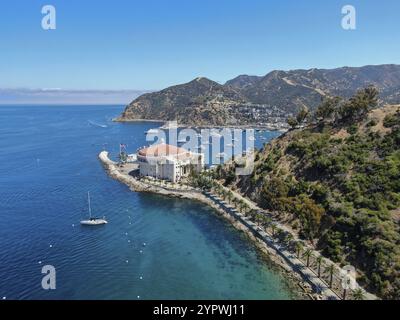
215,134
169,125
221,155
151,131
93,221
97,124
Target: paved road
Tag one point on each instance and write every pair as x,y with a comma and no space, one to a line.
297,265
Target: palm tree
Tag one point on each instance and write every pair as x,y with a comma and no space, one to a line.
241,205
279,232
320,259
266,221
358,294
230,195
253,215
223,193
299,248
258,217
288,239
331,270
308,254
273,229
244,207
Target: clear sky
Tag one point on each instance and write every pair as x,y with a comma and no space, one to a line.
151,44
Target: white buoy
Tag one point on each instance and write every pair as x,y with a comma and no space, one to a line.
40,262
138,297
141,278
126,261
141,251
4,298
144,244
51,246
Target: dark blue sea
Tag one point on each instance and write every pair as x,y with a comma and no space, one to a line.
152,248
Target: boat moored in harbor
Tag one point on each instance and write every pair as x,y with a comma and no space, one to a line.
93,221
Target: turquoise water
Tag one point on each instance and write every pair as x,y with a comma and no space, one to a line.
153,247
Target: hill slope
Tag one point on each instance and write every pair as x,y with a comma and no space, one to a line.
338,185
199,102
254,100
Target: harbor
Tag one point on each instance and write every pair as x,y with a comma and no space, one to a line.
190,252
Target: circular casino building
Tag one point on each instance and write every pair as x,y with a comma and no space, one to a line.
168,162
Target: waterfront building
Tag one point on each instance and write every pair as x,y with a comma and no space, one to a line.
168,162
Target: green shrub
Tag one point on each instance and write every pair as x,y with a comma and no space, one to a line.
352,129
391,120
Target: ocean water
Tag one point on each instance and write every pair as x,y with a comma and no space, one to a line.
153,247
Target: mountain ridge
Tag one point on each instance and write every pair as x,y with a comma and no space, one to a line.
248,100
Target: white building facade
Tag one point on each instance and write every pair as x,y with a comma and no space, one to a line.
167,162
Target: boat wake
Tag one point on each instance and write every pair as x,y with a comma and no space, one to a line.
97,124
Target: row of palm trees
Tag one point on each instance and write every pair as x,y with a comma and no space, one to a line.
303,253
165,183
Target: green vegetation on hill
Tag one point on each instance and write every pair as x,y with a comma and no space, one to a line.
337,182
205,102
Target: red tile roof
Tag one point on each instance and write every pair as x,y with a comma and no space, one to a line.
162,149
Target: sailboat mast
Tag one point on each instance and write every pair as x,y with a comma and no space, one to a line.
90,209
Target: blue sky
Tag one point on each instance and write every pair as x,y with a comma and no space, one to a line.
152,44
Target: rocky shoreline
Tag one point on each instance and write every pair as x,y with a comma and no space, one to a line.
301,287
306,283
268,126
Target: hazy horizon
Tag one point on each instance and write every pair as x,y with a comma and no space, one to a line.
66,97
60,96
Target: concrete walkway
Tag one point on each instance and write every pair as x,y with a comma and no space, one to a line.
297,265
308,274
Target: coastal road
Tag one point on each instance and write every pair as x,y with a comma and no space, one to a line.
296,264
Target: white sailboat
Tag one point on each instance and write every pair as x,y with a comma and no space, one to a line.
93,221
